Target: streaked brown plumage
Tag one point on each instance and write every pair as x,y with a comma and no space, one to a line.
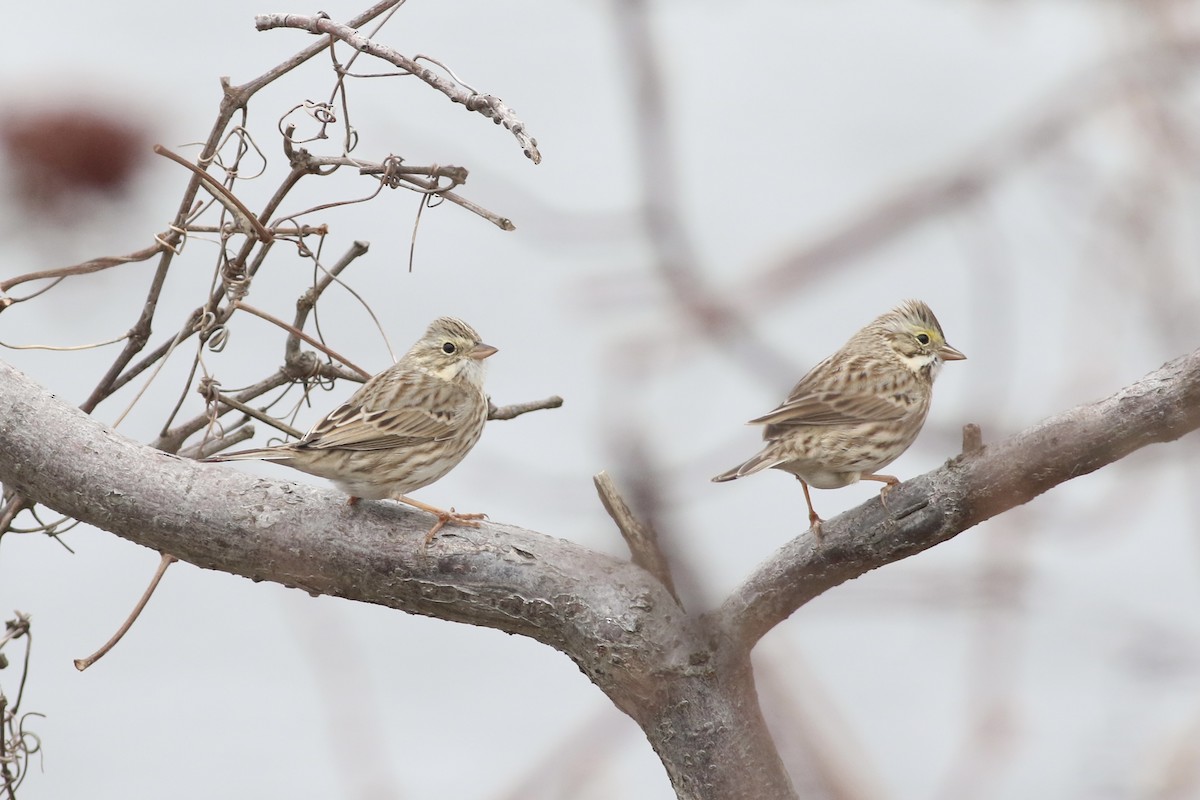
404,429
858,410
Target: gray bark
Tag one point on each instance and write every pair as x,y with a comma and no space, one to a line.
685,678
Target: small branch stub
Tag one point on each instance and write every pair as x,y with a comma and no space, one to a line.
641,538
517,409
972,439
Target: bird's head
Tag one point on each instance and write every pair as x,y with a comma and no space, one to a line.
451,350
913,333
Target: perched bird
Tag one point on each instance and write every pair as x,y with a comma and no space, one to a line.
859,409
404,429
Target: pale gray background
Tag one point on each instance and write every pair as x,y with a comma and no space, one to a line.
1049,653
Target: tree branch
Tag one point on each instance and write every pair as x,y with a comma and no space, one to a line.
967,490
488,105
612,618
686,680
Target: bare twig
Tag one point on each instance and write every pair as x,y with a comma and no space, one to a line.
488,105
503,223
165,561
94,265
277,230
301,334
211,447
254,413
14,504
248,223
235,98
14,746
170,441
309,299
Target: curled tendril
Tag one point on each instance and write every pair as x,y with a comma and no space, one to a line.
210,389
216,336
183,237
321,112
315,378
448,71
234,280
218,339
389,176
245,145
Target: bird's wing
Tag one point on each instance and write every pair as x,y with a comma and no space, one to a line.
831,408
405,411
821,399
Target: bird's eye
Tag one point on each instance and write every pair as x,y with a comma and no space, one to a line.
449,349
923,338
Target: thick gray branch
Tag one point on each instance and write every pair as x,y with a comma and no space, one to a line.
687,684
611,617
967,490
219,518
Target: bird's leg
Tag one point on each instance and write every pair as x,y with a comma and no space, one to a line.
444,517
888,482
813,519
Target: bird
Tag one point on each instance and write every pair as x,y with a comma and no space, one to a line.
859,409
403,429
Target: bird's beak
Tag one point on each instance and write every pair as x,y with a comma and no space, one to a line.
481,351
948,353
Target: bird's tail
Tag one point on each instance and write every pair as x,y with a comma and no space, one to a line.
763,460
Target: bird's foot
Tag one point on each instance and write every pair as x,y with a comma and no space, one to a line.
444,517
815,524
451,517
888,482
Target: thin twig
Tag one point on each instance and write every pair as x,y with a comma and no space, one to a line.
170,441
211,447
327,351
503,223
94,265
309,299
488,105
83,663
248,223
277,230
235,99
5,772
254,413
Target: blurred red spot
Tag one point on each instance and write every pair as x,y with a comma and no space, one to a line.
55,156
